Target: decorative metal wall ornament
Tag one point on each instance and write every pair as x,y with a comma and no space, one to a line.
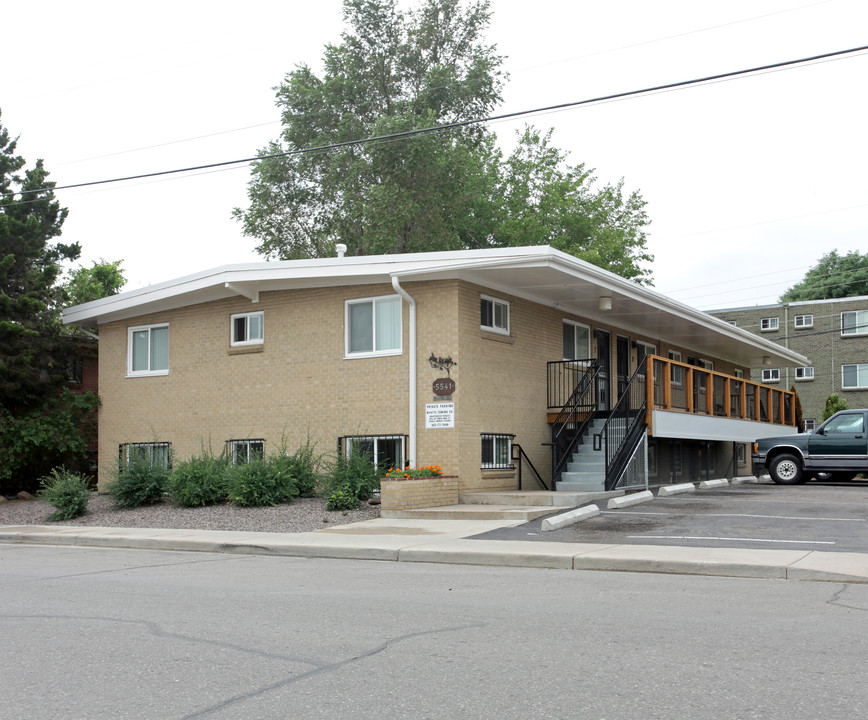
441,363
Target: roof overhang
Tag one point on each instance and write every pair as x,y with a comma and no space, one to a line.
540,274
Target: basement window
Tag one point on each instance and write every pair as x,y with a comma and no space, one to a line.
496,451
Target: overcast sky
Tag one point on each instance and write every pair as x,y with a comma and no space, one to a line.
748,182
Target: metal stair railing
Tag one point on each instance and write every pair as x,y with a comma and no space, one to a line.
519,456
623,429
574,417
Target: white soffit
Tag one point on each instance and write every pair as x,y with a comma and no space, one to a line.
539,274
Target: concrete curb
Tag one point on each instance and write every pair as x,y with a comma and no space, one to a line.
569,518
451,542
668,490
722,482
628,500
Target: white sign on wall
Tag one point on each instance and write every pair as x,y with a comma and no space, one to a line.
439,415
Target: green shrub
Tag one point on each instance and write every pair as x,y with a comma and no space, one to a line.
201,480
138,482
342,499
305,469
67,491
834,404
356,474
261,482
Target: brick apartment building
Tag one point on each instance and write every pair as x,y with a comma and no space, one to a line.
832,334
460,359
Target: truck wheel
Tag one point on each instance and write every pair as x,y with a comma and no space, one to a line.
786,470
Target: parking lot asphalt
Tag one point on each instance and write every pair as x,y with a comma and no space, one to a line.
831,517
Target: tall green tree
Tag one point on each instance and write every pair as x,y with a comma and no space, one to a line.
42,423
547,201
101,279
32,344
834,276
445,190
391,73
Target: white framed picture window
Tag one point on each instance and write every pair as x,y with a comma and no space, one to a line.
769,324
494,314
803,321
373,326
247,328
804,373
854,322
577,341
148,350
771,375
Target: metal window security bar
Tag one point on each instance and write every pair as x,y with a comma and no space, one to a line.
496,454
243,451
385,451
157,454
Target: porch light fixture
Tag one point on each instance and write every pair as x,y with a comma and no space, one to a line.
605,303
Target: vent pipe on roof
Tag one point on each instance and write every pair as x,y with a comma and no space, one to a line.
341,248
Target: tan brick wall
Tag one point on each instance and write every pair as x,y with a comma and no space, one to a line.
824,346
409,493
298,383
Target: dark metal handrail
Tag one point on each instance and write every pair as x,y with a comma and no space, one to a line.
574,418
624,427
522,455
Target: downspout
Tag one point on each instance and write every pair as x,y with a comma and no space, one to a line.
396,284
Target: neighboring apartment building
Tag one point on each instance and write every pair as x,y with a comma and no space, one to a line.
453,358
832,334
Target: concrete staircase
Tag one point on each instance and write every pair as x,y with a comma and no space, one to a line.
586,472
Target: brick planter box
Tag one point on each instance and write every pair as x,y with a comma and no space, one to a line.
410,493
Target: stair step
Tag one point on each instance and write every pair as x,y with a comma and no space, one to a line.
582,487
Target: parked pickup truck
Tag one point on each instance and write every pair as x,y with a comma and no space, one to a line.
837,450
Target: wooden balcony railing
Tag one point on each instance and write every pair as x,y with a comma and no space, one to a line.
680,387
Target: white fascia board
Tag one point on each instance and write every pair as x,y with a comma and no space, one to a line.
352,270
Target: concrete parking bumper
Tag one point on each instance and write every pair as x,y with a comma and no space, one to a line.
451,541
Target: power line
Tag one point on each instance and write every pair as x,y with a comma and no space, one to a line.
462,123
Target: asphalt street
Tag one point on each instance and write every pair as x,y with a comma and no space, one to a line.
110,633
815,516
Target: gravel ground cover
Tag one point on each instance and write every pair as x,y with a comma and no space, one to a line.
302,515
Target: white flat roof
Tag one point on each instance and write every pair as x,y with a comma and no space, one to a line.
540,274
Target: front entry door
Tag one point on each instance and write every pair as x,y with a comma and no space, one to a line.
622,362
604,353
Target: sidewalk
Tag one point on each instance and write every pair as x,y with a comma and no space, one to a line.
450,541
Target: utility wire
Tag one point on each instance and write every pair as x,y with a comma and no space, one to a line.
461,124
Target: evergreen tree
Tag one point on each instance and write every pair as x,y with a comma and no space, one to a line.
42,423
32,343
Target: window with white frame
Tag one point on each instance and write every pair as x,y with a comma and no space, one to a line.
854,376
494,314
804,373
810,424
373,326
385,451
577,341
706,364
732,322
148,350
496,451
772,375
156,454
677,372
248,328
738,373
242,452
768,324
803,321
854,322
